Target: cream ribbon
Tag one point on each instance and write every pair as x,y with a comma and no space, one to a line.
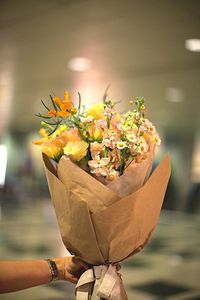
99,282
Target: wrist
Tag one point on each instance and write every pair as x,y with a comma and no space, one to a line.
54,268
60,268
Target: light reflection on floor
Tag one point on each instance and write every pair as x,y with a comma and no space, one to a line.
168,268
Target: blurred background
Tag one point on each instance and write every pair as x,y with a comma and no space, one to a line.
139,48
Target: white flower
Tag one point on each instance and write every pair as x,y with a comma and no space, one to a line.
156,139
149,126
121,144
143,146
121,127
131,137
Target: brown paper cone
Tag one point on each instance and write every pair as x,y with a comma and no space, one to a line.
100,226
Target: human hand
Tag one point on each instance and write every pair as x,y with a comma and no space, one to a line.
70,268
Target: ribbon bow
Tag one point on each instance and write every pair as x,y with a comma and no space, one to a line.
98,283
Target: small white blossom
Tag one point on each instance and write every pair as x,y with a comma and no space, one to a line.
121,144
143,146
131,137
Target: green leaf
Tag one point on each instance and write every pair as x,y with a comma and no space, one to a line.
54,105
45,105
41,116
56,123
79,101
54,129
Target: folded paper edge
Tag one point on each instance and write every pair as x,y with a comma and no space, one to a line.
163,168
164,162
50,174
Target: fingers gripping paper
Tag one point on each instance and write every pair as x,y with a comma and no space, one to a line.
97,223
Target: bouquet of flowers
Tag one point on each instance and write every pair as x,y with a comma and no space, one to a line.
98,164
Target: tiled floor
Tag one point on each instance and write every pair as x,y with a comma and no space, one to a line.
168,268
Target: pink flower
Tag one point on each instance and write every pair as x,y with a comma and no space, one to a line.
98,166
96,148
110,138
109,112
101,124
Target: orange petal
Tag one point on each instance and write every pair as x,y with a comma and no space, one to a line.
66,97
62,113
57,101
52,113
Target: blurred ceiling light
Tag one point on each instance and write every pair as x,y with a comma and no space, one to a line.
174,94
192,45
79,64
3,164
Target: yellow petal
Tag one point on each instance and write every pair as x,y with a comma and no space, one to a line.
76,150
39,142
96,111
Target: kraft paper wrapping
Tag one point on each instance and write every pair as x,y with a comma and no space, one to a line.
135,176
96,223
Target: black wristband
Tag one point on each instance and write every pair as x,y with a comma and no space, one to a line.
53,268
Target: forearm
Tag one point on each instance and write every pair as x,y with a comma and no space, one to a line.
21,274
17,275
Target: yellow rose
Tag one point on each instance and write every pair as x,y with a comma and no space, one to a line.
71,135
76,150
53,148
96,111
94,133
